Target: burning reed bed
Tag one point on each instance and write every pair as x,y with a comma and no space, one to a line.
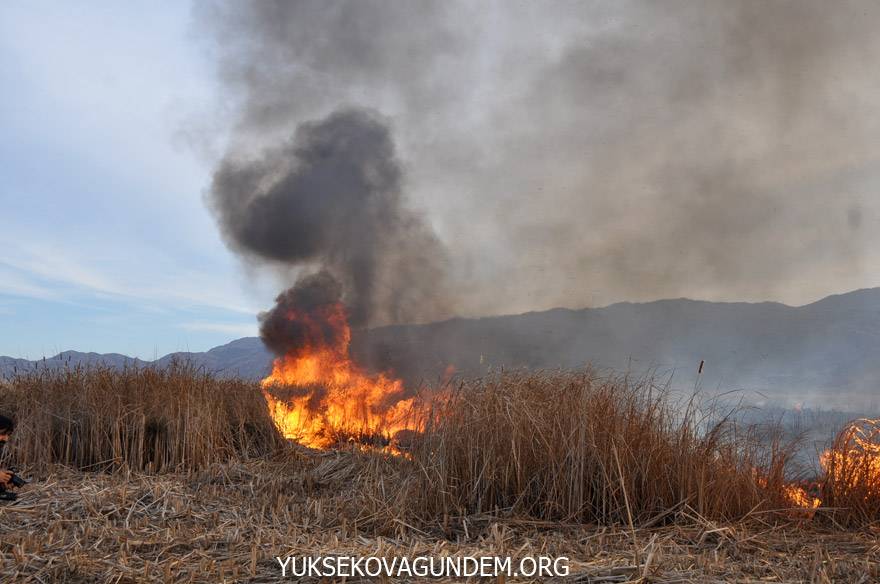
599,469
175,418
552,446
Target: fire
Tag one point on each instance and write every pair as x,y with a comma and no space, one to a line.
328,397
799,497
851,467
853,462
794,494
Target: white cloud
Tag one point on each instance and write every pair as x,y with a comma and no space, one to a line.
14,284
111,271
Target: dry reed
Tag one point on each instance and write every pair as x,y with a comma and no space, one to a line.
175,418
226,523
552,446
516,463
577,447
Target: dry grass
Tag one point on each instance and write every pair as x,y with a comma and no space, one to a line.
602,470
226,523
139,418
576,447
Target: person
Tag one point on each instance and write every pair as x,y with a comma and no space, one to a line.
6,428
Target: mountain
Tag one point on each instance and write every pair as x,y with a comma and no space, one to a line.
806,353
9,365
245,357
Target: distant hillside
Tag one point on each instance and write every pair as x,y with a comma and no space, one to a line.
241,358
829,347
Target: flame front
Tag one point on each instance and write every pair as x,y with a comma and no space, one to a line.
330,398
854,460
851,465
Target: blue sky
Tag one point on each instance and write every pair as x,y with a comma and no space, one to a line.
106,243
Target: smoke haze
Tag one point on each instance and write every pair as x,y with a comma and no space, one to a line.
566,153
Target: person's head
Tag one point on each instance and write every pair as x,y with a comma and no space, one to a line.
6,428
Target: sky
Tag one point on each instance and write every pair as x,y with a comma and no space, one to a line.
106,243
565,154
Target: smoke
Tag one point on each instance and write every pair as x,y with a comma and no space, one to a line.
304,316
567,153
332,198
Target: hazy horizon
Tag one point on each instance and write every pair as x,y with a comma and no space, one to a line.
223,340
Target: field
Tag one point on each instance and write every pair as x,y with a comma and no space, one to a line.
173,476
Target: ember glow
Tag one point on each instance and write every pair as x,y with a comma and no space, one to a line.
318,396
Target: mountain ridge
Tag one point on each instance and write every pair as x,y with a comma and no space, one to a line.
825,346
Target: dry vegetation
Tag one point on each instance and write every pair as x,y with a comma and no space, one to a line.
851,481
576,447
138,418
174,476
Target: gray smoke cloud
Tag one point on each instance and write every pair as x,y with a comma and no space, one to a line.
332,198
578,153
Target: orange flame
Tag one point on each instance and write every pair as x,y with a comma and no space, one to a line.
853,462
798,497
794,494
329,398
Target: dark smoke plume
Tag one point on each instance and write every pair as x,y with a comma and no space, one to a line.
303,316
332,198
